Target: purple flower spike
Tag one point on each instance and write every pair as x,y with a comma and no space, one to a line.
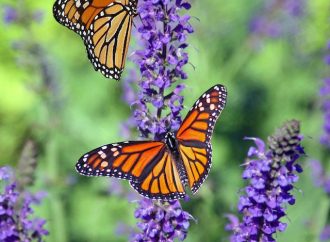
319,176
10,14
161,221
271,174
327,59
157,102
325,234
15,212
163,34
325,94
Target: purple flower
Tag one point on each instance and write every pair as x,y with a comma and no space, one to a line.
271,174
319,176
10,14
15,212
15,15
277,18
38,16
161,221
325,234
5,173
327,59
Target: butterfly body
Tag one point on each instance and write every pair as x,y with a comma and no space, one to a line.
105,27
132,8
162,169
173,148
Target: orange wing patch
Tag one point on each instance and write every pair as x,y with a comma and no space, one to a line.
162,182
78,15
125,160
197,163
194,127
108,46
67,13
199,123
140,147
187,122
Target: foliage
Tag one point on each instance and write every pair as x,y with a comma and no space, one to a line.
269,80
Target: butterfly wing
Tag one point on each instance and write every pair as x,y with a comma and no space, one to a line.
125,160
162,181
104,25
146,164
195,132
108,39
70,14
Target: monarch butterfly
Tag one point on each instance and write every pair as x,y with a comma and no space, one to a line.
105,27
161,169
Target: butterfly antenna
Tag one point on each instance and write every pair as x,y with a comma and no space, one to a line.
193,66
198,19
168,96
141,19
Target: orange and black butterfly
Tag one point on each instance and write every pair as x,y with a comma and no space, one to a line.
105,27
162,169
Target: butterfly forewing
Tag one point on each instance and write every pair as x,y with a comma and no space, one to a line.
69,13
126,160
195,132
199,123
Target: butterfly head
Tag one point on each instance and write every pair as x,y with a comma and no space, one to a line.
171,141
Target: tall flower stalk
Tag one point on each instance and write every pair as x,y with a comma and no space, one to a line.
325,95
17,220
16,213
271,174
162,32
319,174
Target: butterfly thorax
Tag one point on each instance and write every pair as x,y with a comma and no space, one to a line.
172,145
131,7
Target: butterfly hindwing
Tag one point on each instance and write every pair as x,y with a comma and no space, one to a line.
162,181
195,132
108,39
197,163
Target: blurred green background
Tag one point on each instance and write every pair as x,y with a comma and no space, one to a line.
51,94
